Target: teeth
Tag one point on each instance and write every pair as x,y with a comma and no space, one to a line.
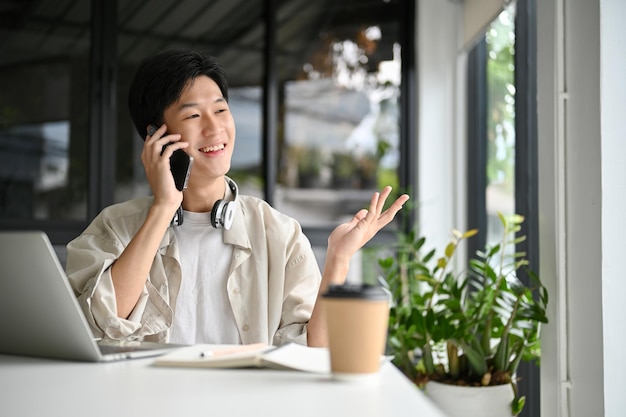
212,148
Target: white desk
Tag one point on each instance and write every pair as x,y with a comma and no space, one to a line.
39,387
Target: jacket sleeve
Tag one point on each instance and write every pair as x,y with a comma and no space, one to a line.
301,280
89,260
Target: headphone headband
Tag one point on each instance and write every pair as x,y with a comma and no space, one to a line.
223,211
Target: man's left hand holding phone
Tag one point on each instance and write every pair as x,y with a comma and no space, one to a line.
180,162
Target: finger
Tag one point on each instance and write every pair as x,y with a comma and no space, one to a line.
377,203
357,218
170,147
160,136
154,142
163,147
391,212
372,213
383,198
360,215
155,134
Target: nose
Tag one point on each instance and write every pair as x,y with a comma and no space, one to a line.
211,124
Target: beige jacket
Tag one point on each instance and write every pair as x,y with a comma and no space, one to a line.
272,285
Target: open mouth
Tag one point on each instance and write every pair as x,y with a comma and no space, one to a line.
214,148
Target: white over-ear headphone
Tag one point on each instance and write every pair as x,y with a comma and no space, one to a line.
224,211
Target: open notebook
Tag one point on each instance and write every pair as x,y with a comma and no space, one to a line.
259,355
40,314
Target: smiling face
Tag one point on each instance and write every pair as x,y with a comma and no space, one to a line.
202,117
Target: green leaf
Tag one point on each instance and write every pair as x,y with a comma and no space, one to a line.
475,355
427,358
493,251
518,240
428,256
516,219
386,263
502,354
442,263
450,250
518,405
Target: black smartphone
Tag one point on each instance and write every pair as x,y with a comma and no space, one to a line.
180,163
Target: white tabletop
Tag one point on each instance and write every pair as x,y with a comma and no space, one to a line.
37,387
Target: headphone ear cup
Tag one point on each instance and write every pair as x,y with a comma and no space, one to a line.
216,214
223,212
228,215
177,220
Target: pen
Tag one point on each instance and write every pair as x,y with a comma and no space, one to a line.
237,349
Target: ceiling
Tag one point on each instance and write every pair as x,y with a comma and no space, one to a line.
233,30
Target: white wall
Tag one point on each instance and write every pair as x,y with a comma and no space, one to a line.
441,135
612,124
551,201
570,184
580,78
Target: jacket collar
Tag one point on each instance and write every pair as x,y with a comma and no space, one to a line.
238,233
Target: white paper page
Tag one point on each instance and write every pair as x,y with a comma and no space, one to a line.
303,358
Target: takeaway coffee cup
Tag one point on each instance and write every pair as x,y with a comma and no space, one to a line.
357,319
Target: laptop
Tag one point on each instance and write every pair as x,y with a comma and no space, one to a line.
39,314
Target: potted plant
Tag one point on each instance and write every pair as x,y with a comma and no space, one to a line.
343,170
367,167
468,327
310,162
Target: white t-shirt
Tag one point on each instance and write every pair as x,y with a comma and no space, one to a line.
203,313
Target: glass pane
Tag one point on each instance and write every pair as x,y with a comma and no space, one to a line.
233,31
44,109
339,78
500,40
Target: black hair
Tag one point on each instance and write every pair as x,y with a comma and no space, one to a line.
161,79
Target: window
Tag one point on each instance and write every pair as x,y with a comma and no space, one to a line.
502,136
500,170
44,113
339,90
491,152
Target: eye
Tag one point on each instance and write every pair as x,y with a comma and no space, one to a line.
193,116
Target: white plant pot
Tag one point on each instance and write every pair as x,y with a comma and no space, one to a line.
458,401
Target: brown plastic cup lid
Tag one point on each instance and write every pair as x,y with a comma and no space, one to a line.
360,291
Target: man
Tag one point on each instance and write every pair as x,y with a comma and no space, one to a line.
139,275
